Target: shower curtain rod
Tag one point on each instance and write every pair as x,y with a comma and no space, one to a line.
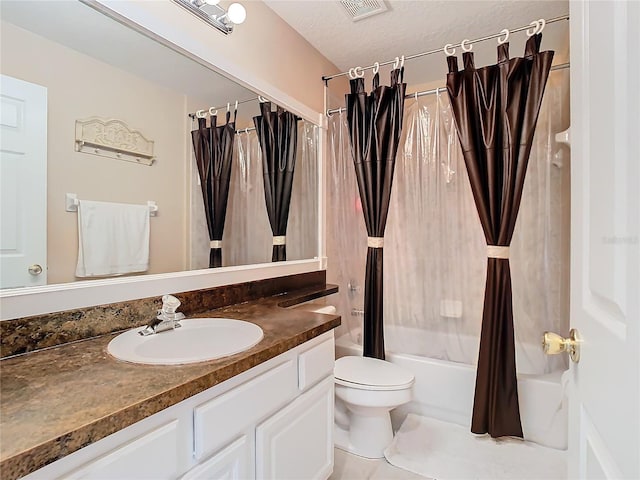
415,95
440,50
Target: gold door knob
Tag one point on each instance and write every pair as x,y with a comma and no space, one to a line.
552,343
35,269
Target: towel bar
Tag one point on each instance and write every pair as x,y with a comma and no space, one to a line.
71,204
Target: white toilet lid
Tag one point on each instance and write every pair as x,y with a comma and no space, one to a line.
371,372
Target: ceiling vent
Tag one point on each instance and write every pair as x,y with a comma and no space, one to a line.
359,9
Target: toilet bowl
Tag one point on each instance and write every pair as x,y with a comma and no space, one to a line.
367,389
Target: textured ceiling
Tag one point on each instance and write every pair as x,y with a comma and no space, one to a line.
410,27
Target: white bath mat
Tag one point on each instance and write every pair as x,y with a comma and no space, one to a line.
445,451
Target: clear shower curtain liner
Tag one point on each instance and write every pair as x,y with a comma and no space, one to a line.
435,252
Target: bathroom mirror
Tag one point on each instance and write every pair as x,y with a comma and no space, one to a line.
91,65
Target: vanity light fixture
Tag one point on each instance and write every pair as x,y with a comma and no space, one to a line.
214,14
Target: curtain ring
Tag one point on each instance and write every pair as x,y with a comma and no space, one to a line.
228,107
261,99
464,47
447,51
351,76
376,68
416,96
213,112
236,107
246,130
536,25
200,114
359,74
396,63
543,23
402,61
504,32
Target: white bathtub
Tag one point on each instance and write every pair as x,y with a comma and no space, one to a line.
444,389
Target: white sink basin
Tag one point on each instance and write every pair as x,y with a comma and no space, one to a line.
197,340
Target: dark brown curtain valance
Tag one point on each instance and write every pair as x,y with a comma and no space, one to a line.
278,136
496,110
375,125
213,148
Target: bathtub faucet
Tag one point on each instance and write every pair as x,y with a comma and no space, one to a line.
166,319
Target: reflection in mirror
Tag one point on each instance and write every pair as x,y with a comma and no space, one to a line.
246,213
84,64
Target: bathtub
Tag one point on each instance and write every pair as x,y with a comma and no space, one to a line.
444,388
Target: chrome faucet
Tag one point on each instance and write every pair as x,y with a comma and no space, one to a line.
167,318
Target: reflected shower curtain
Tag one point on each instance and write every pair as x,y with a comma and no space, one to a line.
496,109
375,126
247,235
213,149
278,134
435,251
302,229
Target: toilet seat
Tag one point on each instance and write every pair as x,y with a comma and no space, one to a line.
367,373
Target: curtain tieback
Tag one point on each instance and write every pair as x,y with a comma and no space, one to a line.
497,251
375,242
215,244
279,240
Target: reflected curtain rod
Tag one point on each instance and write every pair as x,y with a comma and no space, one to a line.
415,95
207,111
326,79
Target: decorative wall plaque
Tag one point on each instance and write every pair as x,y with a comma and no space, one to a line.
113,139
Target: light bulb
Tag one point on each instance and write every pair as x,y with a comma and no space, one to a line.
236,13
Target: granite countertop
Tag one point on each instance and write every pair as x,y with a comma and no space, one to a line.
56,401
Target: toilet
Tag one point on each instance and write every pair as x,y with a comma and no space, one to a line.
366,390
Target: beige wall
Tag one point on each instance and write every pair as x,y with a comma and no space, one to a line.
268,47
80,87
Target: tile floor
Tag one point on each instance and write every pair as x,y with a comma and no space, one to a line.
352,467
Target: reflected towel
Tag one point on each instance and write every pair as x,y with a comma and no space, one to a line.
113,239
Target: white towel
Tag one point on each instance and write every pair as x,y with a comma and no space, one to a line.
113,239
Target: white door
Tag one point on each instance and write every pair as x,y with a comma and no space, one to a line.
23,188
604,426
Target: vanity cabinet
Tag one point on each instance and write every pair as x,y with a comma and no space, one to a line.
274,421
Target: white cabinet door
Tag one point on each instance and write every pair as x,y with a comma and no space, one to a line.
153,456
297,442
23,189
604,425
232,463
